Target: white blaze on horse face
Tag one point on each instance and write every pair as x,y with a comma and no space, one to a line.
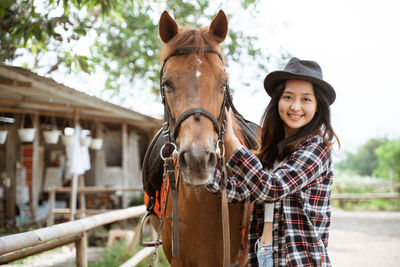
198,73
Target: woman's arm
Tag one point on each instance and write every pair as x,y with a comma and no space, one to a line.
236,191
301,168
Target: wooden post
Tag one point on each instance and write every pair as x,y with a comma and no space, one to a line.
73,196
82,198
12,148
81,249
75,177
125,170
35,168
52,200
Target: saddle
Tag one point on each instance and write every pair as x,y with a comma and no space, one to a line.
152,169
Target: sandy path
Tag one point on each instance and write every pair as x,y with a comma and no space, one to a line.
365,239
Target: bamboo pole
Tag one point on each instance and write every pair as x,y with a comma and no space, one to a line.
81,248
82,198
96,189
38,249
141,255
125,159
35,173
52,200
23,240
72,200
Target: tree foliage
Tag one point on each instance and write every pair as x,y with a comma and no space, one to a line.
389,159
364,161
126,34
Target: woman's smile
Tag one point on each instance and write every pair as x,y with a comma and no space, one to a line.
297,105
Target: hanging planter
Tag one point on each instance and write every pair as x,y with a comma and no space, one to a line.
51,137
51,134
96,144
3,136
26,134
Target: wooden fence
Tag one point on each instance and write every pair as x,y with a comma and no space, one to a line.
381,191
17,246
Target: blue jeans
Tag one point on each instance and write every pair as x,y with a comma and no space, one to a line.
264,254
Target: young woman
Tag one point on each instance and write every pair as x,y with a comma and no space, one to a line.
290,176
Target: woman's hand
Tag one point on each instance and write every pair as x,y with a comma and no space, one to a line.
231,141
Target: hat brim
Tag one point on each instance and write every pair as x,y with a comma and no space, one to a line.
274,78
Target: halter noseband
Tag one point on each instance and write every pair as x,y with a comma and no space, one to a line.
197,112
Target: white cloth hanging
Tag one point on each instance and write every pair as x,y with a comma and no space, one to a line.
78,156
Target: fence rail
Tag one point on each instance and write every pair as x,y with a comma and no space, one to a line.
366,196
74,231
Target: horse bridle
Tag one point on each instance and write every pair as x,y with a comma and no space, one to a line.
169,121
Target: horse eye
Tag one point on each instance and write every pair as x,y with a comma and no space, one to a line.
224,86
167,86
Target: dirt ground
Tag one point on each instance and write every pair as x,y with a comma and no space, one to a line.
365,239
357,239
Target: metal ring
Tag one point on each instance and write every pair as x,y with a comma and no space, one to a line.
174,153
218,150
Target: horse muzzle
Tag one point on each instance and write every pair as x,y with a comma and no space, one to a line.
197,165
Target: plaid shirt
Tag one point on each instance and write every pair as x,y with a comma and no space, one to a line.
300,186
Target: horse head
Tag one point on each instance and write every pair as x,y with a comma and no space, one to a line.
193,84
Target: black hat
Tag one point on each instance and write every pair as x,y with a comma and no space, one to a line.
297,69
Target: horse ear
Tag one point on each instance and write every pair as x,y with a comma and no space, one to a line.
167,28
219,27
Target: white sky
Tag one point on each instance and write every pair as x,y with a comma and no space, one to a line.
356,42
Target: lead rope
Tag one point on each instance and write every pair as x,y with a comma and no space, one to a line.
168,172
220,149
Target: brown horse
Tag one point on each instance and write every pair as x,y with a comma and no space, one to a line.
193,79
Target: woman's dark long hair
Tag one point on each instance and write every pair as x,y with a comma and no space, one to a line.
274,145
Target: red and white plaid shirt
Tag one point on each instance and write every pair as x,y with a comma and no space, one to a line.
300,186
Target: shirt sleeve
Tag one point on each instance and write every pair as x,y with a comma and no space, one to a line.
302,167
236,191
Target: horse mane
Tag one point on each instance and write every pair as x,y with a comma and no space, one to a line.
199,38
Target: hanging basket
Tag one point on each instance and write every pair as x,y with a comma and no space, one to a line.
67,139
51,137
85,141
26,134
3,136
96,144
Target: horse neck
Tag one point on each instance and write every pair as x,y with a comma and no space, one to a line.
237,130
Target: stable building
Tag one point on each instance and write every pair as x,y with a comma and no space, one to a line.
39,119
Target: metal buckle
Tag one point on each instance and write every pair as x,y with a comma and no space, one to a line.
174,153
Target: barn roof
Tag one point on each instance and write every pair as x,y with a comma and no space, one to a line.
23,91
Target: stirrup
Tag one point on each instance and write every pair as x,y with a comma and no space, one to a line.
142,243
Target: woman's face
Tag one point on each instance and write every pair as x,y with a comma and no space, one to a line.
297,105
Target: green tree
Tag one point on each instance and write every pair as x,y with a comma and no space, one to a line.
126,34
364,161
389,159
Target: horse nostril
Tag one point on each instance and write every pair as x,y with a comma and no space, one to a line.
182,160
212,160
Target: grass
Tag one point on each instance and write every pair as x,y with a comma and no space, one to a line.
114,256
118,254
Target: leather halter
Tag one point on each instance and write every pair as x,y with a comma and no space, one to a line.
175,125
